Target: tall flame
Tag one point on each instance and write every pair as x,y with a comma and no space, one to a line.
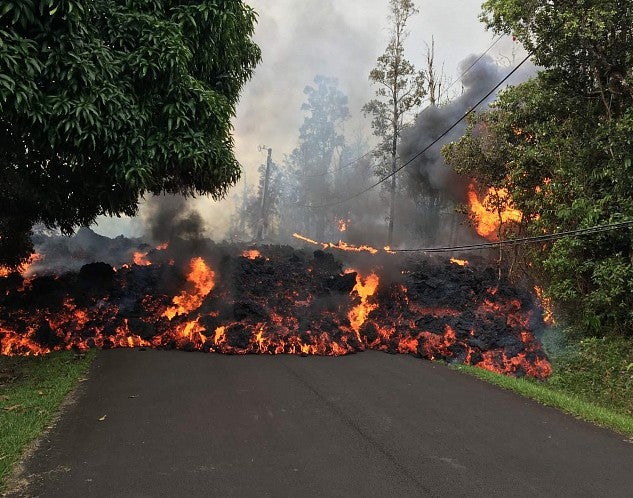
203,279
365,289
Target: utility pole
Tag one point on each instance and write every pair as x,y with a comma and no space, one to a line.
263,222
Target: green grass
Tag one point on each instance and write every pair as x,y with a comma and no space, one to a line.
592,380
31,390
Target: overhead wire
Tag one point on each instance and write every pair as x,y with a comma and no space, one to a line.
522,241
351,163
429,146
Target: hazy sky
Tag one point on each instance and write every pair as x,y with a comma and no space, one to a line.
337,38
302,38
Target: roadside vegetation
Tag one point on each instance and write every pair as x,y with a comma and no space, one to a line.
31,391
592,380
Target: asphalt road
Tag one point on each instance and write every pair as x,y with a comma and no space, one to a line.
372,424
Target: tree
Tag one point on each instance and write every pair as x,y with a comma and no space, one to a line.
400,90
320,137
561,145
102,101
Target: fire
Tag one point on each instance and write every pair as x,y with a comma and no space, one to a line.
297,306
459,262
546,305
203,279
251,254
4,271
162,247
342,225
365,289
342,246
140,258
487,222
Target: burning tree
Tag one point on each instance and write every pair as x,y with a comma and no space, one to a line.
101,102
560,145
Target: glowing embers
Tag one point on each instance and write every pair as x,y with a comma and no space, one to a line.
342,224
140,258
251,254
203,280
24,269
491,212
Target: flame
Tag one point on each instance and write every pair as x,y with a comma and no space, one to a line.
546,305
342,246
140,258
342,225
203,279
487,222
289,317
459,262
251,254
365,289
162,247
4,271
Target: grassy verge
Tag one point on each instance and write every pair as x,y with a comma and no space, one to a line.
31,390
592,380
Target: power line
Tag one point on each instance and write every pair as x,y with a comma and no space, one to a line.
525,240
370,152
434,142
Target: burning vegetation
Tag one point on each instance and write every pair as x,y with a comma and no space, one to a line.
277,300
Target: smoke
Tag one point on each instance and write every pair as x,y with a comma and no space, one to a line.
428,180
169,217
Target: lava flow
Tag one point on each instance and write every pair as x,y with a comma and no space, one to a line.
275,300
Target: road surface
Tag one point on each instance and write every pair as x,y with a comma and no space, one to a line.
168,423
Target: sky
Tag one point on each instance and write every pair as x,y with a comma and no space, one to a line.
300,39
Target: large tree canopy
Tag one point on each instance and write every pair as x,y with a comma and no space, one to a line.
102,101
562,145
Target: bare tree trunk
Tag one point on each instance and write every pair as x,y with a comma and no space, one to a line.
394,163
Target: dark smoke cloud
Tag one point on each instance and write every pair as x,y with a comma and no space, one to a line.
430,168
428,175
169,217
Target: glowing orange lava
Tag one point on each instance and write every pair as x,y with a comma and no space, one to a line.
251,254
487,222
203,279
140,259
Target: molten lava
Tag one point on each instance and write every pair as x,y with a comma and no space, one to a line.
202,278
251,254
140,258
288,302
492,212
